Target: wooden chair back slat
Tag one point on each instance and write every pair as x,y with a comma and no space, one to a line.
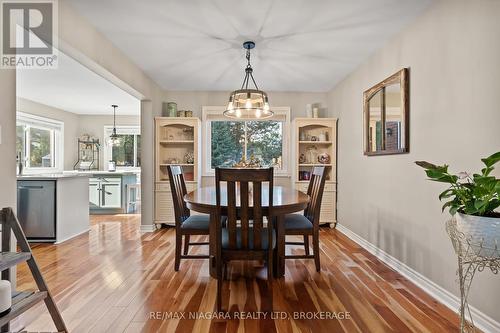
240,179
178,189
244,216
315,192
232,217
257,215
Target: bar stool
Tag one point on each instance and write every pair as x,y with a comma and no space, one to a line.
133,200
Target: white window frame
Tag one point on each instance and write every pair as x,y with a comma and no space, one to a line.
57,141
214,113
121,130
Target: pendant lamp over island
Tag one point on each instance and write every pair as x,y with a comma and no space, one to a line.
248,103
114,139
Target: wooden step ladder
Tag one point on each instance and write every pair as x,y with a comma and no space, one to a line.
22,301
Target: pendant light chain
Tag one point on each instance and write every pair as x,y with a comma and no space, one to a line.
250,70
114,140
248,59
248,73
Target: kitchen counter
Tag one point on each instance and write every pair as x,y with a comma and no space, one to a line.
101,172
51,176
106,191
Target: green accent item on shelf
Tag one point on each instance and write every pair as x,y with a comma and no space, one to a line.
172,109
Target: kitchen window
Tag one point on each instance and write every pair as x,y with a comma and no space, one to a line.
229,140
127,154
39,143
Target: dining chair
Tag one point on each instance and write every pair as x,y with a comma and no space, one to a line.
308,224
249,240
185,223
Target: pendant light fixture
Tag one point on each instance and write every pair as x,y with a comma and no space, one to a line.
114,139
248,103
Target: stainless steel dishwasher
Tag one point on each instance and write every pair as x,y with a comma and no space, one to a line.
36,209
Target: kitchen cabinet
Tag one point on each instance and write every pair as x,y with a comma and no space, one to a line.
94,193
36,206
53,207
107,192
111,193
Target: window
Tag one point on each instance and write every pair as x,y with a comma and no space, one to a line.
128,153
39,144
230,141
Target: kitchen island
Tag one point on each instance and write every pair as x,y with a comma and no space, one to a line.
108,190
53,207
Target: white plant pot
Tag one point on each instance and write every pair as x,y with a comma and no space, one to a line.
484,233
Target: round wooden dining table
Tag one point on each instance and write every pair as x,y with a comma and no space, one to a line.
286,200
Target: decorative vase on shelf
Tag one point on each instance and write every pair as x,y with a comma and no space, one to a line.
323,136
311,154
172,109
309,110
315,112
189,158
303,136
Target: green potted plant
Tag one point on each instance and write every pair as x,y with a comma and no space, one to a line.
473,200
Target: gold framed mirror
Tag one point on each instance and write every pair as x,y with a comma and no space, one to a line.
386,111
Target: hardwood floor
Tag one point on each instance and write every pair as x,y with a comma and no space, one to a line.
115,279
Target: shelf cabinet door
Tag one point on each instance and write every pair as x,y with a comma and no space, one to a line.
94,194
111,194
164,212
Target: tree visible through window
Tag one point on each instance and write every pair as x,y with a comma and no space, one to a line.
232,140
128,153
40,148
37,144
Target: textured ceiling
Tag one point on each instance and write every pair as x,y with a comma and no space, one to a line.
302,45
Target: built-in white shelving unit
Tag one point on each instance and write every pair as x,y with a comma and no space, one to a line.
314,137
175,138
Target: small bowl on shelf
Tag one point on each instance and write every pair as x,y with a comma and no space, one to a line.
324,158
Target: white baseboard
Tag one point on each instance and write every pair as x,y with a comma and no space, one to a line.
72,236
148,227
481,320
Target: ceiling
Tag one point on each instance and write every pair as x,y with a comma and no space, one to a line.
74,88
302,45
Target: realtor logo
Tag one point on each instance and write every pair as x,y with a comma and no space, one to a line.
28,34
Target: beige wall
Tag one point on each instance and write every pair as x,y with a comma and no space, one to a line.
453,52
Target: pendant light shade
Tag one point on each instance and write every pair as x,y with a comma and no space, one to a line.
114,139
248,103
